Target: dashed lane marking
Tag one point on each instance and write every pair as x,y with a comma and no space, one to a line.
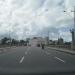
22,59
59,59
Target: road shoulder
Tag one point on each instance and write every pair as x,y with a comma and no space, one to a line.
63,50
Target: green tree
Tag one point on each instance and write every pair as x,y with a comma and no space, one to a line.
14,42
4,40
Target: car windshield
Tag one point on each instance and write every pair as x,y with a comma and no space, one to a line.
37,36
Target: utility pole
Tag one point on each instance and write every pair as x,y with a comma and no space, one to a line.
48,37
73,32
9,39
10,16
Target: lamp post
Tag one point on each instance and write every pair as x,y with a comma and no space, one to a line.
10,16
73,32
48,38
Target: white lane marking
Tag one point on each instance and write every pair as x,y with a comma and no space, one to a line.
22,59
60,59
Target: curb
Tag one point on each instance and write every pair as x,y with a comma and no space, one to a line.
3,49
63,51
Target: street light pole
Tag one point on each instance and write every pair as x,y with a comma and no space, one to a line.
10,16
73,32
9,39
74,18
48,37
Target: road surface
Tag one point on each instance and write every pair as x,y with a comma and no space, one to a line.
28,59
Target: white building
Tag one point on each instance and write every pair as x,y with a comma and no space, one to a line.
38,40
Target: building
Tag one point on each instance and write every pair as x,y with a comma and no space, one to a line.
60,41
50,42
38,40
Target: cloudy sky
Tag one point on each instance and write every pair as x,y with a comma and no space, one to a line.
28,18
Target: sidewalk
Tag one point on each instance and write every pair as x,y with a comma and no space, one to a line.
63,50
4,49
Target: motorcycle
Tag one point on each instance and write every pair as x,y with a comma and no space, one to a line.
42,46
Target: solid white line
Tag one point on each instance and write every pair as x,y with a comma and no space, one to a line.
60,59
22,59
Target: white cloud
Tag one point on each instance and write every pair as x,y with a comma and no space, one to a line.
31,17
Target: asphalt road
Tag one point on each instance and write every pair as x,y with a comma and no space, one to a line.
29,59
